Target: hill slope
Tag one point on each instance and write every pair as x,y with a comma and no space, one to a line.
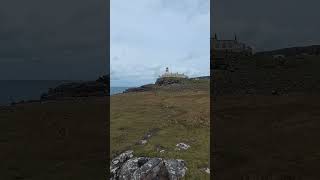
172,114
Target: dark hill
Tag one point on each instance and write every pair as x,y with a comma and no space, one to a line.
264,75
170,83
311,50
98,87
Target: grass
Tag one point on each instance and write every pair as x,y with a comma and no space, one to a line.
58,140
67,139
180,113
270,135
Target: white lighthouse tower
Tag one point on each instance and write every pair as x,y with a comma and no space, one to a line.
168,74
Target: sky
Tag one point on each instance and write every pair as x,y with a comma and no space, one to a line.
146,36
68,39
53,40
267,24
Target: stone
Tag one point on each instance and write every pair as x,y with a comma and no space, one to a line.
176,168
169,80
117,163
131,166
206,170
127,167
143,141
182,146
153,169
151,133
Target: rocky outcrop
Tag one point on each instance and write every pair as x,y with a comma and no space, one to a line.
166,82
79,89
169,80
143,88
127,167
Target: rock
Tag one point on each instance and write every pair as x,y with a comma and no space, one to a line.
151,133
127,167
117,163
147,136
206,170
131,166
183,146
143,141
169,80
176,168
159,148
152,169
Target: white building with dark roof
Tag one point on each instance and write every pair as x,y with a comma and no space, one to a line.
231,46
168,74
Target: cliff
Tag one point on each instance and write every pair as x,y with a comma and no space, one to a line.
98,87
167,82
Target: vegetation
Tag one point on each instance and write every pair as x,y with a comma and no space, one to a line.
55,140
174,113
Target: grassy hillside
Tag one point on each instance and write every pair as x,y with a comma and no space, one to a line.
263,74
57,140
173,114
260,134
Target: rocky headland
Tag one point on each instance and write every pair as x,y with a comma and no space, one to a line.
98,87
171,82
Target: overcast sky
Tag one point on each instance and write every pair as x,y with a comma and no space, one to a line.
149,35
67,39
268,24
53,39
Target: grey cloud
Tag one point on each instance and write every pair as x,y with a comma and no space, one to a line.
115,58
267,24
189,57
71,33
190,8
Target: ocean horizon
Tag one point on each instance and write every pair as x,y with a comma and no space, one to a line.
117,90
24,90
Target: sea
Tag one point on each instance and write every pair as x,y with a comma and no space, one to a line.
117,90
18,90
